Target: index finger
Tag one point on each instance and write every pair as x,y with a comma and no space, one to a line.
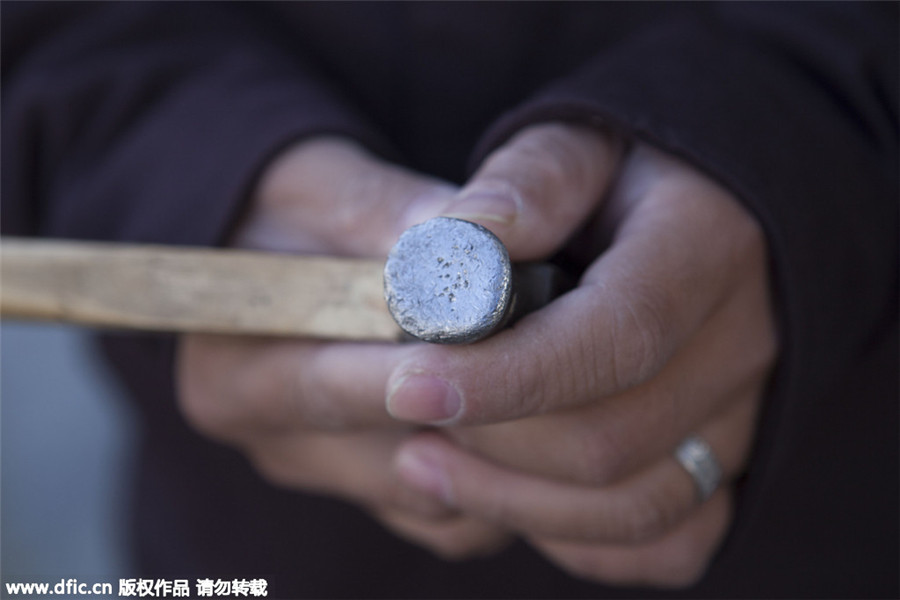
234,387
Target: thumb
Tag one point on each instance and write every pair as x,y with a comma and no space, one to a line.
534,191
328,195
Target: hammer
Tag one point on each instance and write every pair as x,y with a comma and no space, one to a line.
445,281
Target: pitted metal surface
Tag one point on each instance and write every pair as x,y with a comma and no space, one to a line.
448,281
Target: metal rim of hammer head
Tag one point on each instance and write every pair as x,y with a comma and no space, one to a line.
450,281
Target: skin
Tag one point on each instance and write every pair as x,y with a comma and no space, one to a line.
560,430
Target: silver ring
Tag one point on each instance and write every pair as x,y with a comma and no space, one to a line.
697,458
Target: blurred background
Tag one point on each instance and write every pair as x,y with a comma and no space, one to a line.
65,458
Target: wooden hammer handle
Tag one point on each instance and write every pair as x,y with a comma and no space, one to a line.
184,289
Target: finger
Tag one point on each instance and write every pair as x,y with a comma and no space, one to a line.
679,559
719,378
536,189
668,271
452,539
636,509
330,196
231,387
355,466
605,444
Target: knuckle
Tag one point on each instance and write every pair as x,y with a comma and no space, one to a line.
350,217
601,456
314,405
224,392
651,327
645,518
254,397
638,332
553,156
210,390
203,407
497,509
272,472
312,397
530,393
275,471
564,372
202,415
504,386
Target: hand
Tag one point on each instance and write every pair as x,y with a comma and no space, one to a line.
562,428
310,415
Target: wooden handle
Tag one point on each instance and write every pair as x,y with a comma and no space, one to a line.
185,289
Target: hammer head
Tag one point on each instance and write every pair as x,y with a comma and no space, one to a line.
448,281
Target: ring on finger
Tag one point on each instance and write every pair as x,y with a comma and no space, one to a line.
697,458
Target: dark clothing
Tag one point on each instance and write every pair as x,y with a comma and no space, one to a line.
149,122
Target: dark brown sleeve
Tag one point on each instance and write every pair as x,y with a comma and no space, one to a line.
147,121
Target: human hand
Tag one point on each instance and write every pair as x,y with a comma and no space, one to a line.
563,427
310,415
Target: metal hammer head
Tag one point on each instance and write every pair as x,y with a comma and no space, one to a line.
448,281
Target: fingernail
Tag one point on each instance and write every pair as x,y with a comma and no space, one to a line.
424,399
493,203
426,206
424,474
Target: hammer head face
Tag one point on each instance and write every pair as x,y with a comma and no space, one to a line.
448,281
